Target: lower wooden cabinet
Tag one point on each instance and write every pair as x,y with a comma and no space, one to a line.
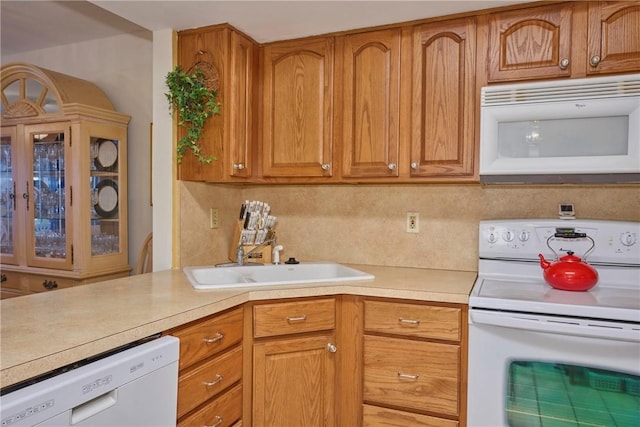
325,361
293,382
210,370
294,369
223,411
414,364
373,416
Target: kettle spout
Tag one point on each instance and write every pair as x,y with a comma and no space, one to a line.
543,262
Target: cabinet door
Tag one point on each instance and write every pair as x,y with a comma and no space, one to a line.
443,108
229,60
241,110
9,219
614,37
371,104
532,43
293,382
297,109
49,231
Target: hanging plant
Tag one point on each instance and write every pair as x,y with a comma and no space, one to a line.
194,101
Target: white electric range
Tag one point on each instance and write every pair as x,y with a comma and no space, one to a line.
528,340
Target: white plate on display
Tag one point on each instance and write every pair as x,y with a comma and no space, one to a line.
107,154
107,200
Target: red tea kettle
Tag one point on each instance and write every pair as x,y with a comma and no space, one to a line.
569,273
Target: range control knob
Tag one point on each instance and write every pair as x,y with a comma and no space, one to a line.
508,236
628,239
492,238
523,236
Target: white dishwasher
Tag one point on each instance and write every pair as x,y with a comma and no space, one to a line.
135,385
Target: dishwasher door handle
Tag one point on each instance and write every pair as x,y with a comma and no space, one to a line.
94,406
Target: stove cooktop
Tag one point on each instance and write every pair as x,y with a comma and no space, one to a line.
510,277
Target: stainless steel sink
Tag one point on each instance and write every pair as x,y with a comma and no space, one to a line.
212,277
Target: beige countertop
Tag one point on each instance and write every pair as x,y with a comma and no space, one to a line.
45,331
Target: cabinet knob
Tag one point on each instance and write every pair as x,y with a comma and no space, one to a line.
594,61
50,284
238,166
326,166
414,166
332,348
564,63
392,166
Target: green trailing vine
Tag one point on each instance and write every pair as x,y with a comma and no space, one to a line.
194,102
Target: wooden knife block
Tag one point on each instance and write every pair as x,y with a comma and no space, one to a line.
262,255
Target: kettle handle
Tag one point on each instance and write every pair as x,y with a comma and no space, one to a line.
563,235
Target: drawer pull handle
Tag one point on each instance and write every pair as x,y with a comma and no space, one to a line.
408,376
214,382
409,321
217,423
297,319
50,284
217,338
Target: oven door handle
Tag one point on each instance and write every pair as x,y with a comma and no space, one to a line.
557,325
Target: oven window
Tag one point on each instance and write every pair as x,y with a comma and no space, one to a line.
546,394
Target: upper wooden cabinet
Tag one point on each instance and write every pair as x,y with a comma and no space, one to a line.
230,59
572,39
532,43
297,90
614,37
443,100
370,109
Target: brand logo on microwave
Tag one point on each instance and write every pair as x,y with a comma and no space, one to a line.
581,105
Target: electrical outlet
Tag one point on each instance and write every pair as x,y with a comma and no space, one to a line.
214,218
413,222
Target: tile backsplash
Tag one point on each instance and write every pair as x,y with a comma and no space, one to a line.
365,224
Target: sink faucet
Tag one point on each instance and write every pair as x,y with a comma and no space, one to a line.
240,255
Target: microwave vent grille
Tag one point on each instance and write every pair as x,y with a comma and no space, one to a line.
565,90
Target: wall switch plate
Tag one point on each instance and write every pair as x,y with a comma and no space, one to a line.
214,218
413,222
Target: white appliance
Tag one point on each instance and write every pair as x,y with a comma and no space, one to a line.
539,356
136,386
561,131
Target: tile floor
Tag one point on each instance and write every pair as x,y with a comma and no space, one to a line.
553,395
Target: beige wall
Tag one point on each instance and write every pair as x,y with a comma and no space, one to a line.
365,224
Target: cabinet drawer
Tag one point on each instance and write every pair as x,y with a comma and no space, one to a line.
221,412
44,283
207,380
373,416
423,321
293,317
411,374
208,337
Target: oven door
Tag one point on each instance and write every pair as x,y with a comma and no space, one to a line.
533,370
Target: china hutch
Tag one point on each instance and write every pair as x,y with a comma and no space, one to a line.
63,182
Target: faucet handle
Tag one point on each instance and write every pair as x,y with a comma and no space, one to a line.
275,254
240,255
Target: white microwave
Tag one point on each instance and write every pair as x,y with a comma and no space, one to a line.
563,131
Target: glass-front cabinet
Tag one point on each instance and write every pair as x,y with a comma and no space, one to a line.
63,189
